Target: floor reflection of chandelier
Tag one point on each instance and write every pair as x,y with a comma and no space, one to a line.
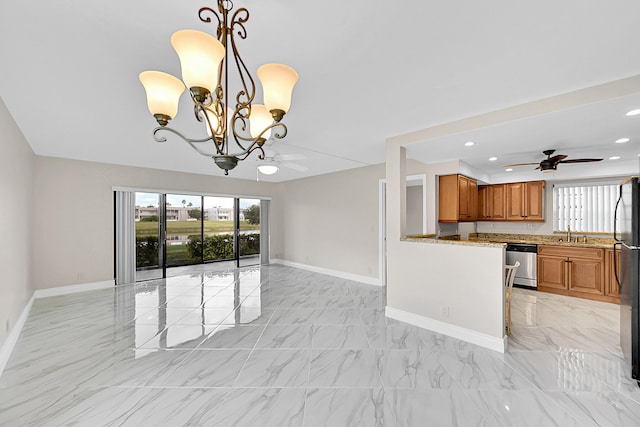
204,61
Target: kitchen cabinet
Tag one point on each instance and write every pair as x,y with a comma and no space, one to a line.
491,203
573,271
524,201
457,198
611,285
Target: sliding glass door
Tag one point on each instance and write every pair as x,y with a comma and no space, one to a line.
149,239
248,232
219,226
183,221
179,230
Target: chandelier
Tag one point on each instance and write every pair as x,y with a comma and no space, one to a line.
235,127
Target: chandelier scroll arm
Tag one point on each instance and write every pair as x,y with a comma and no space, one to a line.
204,17
280,133
219,114
254,147
190,141
244,97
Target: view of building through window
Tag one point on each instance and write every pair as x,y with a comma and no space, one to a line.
196,229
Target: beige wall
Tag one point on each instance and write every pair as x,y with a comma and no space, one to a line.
16,218
74,223
332,221
414,210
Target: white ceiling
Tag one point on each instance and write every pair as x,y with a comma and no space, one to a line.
368,70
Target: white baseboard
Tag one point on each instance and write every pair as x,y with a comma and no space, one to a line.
341,274
7,347
464,334
72,289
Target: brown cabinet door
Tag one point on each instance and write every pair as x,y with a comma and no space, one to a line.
497,202
552,272
463,198
448,198
586,276
484,202
515,201
611,287
473,200
534,198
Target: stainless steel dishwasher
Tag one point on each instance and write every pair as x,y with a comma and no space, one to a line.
527,273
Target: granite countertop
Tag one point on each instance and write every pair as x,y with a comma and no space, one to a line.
549,240
433,239
501,239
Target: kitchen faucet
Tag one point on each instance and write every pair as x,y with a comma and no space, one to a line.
568,233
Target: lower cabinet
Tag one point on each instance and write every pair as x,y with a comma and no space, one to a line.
613,272
551,272
576,271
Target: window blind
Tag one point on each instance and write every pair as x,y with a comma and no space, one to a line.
586,208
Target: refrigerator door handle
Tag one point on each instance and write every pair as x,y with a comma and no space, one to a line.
615,215
615,264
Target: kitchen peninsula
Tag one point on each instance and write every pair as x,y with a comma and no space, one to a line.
451,287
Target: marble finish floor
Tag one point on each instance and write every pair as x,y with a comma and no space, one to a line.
278,346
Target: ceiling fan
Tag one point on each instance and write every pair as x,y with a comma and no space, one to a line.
273,159
551,163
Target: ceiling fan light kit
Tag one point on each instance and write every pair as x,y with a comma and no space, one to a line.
268,168
204,61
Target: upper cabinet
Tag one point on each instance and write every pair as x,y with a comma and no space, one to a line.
460,199
457,198
491,202
525,201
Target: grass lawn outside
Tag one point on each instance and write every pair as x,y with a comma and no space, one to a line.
144,228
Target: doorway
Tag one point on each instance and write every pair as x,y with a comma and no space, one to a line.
416,212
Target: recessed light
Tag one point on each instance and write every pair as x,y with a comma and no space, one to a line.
469,144
633,112
622,140
493,159
614,157
509,170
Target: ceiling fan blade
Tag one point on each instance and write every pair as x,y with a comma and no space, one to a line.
285,157
295,166
556,159
520,164
579,160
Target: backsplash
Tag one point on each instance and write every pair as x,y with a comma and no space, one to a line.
551,238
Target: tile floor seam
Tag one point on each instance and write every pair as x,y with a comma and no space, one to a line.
252,350
599,365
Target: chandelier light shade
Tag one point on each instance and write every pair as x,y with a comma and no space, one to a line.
260,119
200,57
163,93
235,126
277,82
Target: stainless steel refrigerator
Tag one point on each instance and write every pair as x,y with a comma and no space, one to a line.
627,235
